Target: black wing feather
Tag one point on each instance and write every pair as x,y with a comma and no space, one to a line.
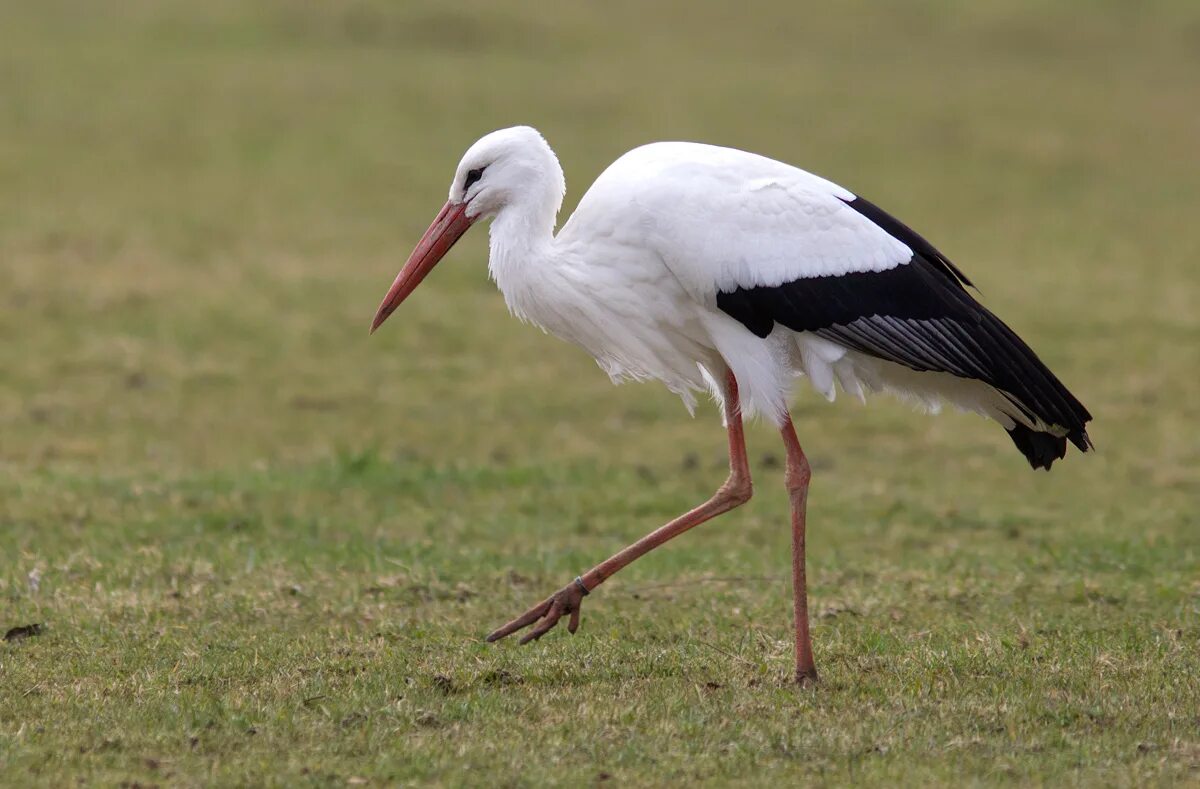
920,315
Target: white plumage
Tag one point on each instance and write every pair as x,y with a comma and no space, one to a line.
633,275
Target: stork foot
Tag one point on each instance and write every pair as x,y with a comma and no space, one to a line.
567,600
806,679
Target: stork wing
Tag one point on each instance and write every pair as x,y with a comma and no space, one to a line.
918,315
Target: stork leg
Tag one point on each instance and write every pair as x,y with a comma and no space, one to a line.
734,492
797,476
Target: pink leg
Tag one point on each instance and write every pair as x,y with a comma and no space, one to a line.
798,475
734,492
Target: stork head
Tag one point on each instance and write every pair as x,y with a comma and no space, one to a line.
510,170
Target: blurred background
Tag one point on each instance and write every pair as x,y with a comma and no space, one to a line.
201,205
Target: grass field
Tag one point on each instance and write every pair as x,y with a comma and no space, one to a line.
265,548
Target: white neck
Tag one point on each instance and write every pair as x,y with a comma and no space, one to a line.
521,241
523,251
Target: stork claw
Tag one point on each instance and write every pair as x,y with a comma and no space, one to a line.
567,600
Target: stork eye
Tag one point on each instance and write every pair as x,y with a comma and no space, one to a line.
472,177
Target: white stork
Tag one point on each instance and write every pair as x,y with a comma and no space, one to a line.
710,268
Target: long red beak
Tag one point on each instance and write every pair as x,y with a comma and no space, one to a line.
451,222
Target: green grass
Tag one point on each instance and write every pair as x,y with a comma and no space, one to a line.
265,547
